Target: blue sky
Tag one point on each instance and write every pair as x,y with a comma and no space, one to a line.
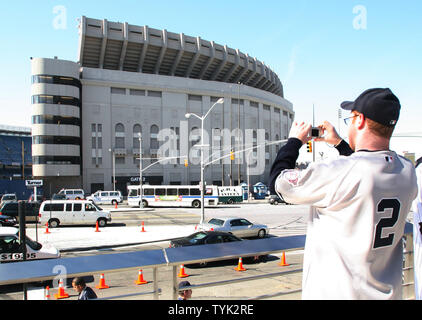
313,46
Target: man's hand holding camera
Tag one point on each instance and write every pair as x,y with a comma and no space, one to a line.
305,132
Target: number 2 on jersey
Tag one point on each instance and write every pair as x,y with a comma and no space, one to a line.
384,204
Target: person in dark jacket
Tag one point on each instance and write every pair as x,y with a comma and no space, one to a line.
85,292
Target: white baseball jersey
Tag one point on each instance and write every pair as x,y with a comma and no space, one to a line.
358,212
417,236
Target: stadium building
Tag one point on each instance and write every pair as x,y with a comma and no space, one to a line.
15,160
87,115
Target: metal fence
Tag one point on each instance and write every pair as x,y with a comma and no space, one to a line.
41,270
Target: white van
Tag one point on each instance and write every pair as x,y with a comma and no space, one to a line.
73,194
10,248
56,212
106,197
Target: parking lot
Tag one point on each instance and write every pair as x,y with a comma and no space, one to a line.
162,224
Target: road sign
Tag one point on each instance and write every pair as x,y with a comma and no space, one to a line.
33,183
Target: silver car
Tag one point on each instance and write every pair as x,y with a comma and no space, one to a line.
240,227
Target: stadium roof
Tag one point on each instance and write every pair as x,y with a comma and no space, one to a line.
122,46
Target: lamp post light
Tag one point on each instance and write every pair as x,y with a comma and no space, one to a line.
202,183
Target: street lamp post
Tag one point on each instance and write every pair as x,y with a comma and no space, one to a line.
202,183
141,205
114,169
247,170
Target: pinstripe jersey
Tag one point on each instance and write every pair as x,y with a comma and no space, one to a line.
359,206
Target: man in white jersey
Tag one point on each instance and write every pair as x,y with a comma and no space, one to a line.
417,233
359,203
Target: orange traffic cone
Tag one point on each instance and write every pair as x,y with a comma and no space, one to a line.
240,266
61,294
283,260
46,229
182,273
47,293
140,278
115,205
143,229
96,227
102,284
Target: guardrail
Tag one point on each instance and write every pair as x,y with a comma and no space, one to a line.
41,270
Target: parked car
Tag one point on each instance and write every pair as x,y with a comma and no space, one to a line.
106,197
204,237
8,197
240,227
7,221
58,197
11,249
57,212
11,209
73,194
210,237
275,199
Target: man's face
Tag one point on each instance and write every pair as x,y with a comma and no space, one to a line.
78,289
188,294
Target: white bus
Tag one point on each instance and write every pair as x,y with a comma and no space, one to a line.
171,196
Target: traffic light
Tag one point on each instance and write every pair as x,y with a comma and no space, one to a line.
309,146
186,162
231,155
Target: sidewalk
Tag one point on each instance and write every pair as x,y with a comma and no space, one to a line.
84,238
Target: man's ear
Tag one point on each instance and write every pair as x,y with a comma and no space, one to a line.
360,121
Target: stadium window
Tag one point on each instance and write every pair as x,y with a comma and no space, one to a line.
56,160
214,99
136,92
254,104
119,160
154,137
156,94
56,80
46,99
50,119
192,97
56,140
118,90
120,136
236,101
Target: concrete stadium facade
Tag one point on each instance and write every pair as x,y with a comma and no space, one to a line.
87,115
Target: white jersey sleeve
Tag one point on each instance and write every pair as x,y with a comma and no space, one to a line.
318,184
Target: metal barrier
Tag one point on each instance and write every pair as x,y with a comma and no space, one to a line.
41,270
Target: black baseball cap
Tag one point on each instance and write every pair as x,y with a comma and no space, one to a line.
380,105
